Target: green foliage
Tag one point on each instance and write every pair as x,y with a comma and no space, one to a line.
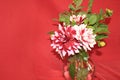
103,28
78,8
77,2
51,32
72,70
100,15
98,43
91,27
86,21
82,74
85,55
101,36
71,7
64,18
73,23
90,6
92,19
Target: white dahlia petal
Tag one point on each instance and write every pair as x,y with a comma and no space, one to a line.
61,28
76,51
60,47
78,47
56,33
63,52
52,38
57,50
56,40
70,52
54,46
84,16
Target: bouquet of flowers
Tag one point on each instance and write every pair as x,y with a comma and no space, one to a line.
78,32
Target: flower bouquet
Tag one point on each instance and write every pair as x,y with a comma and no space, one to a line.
78,32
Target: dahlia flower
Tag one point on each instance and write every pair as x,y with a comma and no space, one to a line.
85,36
64,42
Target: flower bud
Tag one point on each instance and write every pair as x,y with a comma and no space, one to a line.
101,43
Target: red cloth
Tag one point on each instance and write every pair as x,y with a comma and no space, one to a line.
25,52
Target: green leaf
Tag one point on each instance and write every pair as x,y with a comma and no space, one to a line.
95,26
85,55
92,19
51,32
64,18
90,6
100,15
71,7
78,2
78,8
72,70
91,27
82,74
103,28
73,23
101,36
86,21
103,25
98,43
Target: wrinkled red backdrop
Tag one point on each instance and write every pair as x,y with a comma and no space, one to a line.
25,53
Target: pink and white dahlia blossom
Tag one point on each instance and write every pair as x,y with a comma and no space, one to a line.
85,36
69,40
64,42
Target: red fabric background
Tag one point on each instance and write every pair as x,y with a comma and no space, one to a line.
25,53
